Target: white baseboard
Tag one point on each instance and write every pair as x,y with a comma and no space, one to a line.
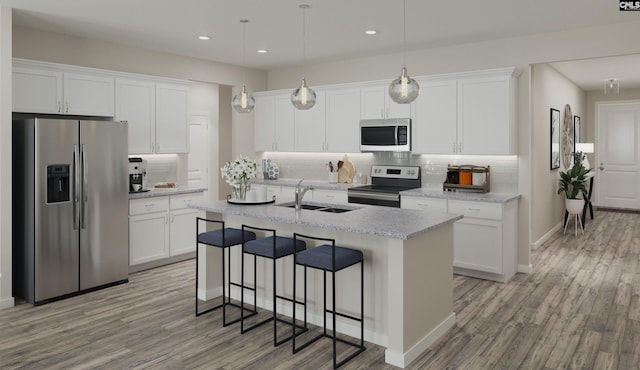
546,236
7,302
525,269
404,359
206,295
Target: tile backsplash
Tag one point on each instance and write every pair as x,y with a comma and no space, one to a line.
312,166
160,168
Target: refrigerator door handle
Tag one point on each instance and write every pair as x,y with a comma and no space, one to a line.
84,189
76,198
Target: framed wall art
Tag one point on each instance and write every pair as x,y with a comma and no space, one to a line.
555,138
576,132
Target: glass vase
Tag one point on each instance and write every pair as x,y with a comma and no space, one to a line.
240,190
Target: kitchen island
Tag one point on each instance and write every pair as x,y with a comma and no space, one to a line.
408,269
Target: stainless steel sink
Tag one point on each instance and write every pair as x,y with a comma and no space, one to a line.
304,206
334,210
317,207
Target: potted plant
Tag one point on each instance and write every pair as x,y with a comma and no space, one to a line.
572,182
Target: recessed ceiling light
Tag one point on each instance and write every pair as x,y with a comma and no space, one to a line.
370,32
263,51
204,37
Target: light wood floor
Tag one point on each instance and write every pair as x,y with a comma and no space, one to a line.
579,309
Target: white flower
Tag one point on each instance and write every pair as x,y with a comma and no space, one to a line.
241,170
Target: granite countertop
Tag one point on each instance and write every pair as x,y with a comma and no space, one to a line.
159,192
389,222
316,184
461,195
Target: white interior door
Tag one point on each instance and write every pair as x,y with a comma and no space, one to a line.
617,164
198,172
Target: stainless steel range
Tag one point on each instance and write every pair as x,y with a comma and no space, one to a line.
386,184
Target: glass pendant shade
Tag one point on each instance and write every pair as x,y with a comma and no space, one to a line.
243,102
303,97
404,89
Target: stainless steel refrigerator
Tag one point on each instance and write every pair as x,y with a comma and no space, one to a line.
70,207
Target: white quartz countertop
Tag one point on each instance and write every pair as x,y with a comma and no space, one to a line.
461,195
159,192
393,223
316,184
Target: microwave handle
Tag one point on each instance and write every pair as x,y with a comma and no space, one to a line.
396,134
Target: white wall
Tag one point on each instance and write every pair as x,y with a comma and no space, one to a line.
550,90
6,298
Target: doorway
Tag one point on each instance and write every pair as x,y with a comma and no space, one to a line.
617,164
198,171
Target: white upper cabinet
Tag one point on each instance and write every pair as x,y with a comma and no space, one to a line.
486,114
156,113
172,128
471,113
39,88
274,123
264,121
136,104
343,118
86,94
434,127
376,103
310,127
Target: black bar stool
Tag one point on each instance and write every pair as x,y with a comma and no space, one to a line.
272,247
330,258
224,238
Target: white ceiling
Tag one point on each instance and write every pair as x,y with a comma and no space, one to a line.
335,28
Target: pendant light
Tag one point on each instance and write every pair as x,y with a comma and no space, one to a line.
404,89
303,97
243,102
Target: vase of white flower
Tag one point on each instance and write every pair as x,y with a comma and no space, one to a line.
237,174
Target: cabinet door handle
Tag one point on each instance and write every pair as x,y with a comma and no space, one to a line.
474,209
460,148
453,146
152,145
67,109
423,205
59,106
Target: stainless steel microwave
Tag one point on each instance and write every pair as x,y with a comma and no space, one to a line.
385,135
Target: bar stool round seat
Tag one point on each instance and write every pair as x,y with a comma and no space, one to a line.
272,247
330,259
225,238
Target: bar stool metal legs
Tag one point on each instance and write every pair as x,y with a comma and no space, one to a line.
330,258
271,247
223,238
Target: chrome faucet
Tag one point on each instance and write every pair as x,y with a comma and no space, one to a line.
299,193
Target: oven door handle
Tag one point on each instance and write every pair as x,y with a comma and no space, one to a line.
371,195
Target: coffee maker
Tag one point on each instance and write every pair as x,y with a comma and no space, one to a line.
137,174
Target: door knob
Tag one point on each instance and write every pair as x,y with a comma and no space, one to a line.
601,166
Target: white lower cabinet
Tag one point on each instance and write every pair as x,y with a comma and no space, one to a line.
148,229
182,223
484,241
330,196
424,204
161,227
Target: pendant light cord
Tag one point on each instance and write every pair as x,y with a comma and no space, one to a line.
404,33
244,45
304,33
